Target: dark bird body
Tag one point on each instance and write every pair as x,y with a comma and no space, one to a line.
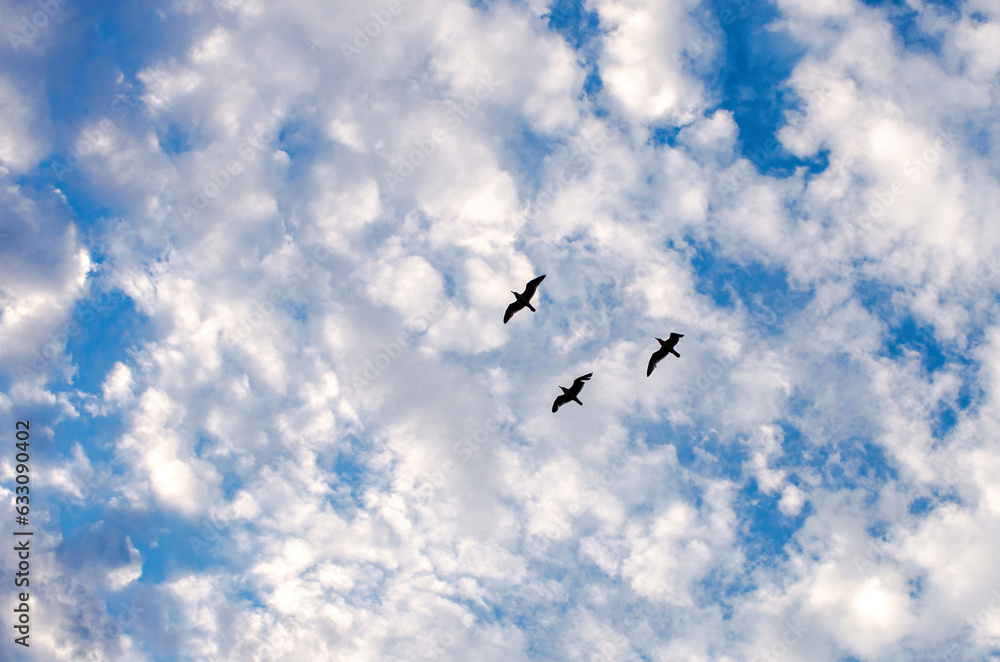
523,300
666,347
569,394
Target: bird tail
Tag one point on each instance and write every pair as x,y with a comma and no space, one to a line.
674,352
577,401
530,307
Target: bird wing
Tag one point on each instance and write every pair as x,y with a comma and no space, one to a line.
559,402
532,286
511,309
578,382
653,360
674,337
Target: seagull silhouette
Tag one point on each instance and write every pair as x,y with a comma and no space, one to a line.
666,347
569,394
523,300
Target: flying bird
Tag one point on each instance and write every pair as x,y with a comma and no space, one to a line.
666,347
569,394
523,300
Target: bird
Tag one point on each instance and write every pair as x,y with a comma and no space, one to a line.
523,300
666,347
571,392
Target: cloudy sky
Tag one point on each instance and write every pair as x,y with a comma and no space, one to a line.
254,258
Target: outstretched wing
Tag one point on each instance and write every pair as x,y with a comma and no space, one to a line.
577,386
674,337
532,286
511,309
653,360
559,402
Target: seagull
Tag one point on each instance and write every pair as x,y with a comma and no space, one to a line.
666,347
571,392
523,299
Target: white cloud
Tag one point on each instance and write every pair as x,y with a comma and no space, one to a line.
176,478
642,61
44,271
792,500
118,385
22,137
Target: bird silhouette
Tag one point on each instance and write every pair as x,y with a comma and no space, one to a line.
666,347
523,300
569,394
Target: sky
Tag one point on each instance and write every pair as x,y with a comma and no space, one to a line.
254,260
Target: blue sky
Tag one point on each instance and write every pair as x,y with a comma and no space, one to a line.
254,268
